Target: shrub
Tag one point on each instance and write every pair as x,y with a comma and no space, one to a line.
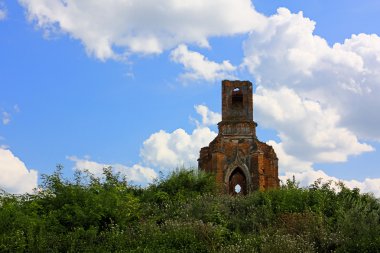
184,212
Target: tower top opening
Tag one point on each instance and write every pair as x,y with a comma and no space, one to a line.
237,104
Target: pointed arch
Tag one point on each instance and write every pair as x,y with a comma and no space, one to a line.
237,173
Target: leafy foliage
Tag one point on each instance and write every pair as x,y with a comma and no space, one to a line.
184,212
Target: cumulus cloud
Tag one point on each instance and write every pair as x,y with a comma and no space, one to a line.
208,117
162,150
198,67
321,99
107,28
15,176
307,130
170,150
305,174
309,134
344,78
306,178
136,174
288,163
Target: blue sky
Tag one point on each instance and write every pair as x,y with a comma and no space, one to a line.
136,85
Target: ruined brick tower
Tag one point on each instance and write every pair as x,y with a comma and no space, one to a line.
240,161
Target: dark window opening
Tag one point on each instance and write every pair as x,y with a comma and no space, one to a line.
237,99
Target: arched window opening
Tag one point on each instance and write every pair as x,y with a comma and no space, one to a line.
237,182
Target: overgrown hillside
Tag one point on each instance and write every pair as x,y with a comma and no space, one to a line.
184,213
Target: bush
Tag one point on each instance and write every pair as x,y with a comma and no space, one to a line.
184,212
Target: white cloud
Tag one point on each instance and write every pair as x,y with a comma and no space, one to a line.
289,163
151,26
6,118
198,67
320,99
306,129
14,176
306,178
170,150
209,117
305,174
344,78
162,150
136,174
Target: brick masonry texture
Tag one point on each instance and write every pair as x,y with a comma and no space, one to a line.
236,156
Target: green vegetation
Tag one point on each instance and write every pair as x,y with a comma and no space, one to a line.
184,213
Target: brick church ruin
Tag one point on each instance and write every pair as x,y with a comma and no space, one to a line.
240,162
